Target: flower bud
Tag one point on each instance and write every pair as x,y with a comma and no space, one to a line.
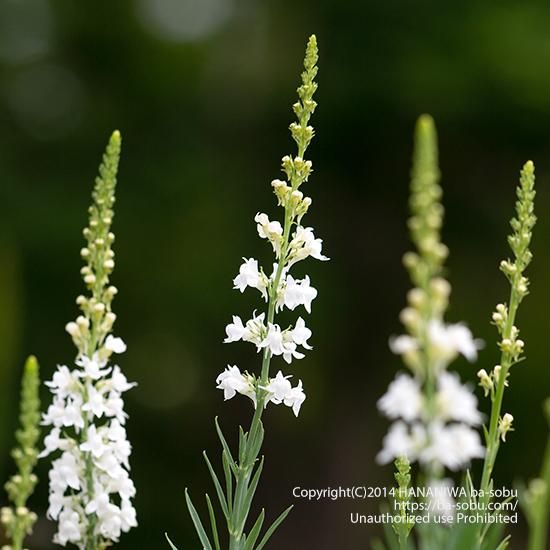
72,329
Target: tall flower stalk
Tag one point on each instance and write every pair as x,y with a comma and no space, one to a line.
434,414
291,242
90,486
510,345
18,520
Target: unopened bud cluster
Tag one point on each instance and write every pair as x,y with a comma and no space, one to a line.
19,520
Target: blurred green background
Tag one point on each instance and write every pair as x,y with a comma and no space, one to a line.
201,91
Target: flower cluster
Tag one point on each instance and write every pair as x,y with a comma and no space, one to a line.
84,397
292,242
279,389
442,435
434,414
90,486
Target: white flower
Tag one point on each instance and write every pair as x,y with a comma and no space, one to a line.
456,401
250,275
450,340
63,381
280,391
295,398
304,244
231,381
235,330
397,442
279,388
301,334
70,528
290,349
118,381
403,399
453,446
53,442
116,345
274,340
403,344
94,443
272,231
296,293
254,331
66,472
95,403
93,368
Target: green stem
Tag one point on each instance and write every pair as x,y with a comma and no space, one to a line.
247,462
493,439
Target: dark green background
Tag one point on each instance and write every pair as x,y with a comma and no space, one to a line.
204,110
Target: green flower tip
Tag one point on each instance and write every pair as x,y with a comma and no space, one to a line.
312,53
529,168
425,127
116,137
31,364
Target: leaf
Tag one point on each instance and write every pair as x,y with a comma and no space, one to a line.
242,445
225,446
254,532
504,544
170,542
255,444
213,522
228,482
273,527
197,522
219,490
250,495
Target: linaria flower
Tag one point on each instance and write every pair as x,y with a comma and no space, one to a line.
291,242
90,488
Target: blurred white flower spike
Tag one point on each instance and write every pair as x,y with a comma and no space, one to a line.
435,416
90,486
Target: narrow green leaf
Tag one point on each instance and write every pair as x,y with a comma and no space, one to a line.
197,522
219,490
504,544
250,495
213,522
170,542
228,481
255,445
255,531
273,527
225,446
242,445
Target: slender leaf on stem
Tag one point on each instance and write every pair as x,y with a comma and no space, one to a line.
218,487
225,446
213,522
242,444
256,444
273,527
255,532
170,542
228,481
203,537
245,509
